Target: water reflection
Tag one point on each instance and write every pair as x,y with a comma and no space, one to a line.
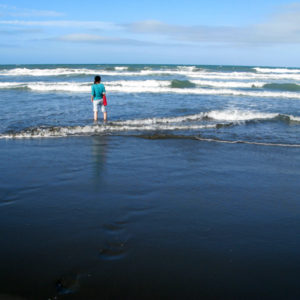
99,152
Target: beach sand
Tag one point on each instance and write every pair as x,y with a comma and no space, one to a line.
108,217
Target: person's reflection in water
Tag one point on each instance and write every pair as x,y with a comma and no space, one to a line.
99,150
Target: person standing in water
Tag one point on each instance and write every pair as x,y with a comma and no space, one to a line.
98,90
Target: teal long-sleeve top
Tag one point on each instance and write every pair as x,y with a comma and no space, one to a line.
97,91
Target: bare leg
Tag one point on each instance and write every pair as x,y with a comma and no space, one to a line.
95,115
105,116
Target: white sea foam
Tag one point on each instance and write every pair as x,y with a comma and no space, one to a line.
77,86
121,68
276,70
187,71
229,84
203,91
99,129
118,70
104,129
236,115
60,86
138,84
48,86
294,118
143,86
239,115
187,68
243,76
46,72
230,115
9,85
181,123
166,120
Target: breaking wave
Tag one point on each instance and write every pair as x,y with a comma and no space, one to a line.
244,76
46,72
188,71
229,84
121,68
230,115
234,115
193,122
162,86
60,131
276,70
292,87
70,86
182,84
109,70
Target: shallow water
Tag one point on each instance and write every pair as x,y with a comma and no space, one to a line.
135,218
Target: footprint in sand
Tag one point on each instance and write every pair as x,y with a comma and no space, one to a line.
116,245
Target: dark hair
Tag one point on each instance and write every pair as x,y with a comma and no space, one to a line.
97,79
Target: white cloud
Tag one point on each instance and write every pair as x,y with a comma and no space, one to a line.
93,38
21,31
37,13
64,23
281,28
14,11
186,33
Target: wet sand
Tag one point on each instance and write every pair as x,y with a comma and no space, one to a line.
132,218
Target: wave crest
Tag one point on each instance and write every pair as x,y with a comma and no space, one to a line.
182,84
276,70
292,87
188,71
203,120
152,86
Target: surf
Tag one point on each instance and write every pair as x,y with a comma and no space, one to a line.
163,87
204,120
291,87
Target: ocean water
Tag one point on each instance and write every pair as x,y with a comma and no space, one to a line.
189,191
251,104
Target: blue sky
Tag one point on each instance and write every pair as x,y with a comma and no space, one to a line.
190,32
